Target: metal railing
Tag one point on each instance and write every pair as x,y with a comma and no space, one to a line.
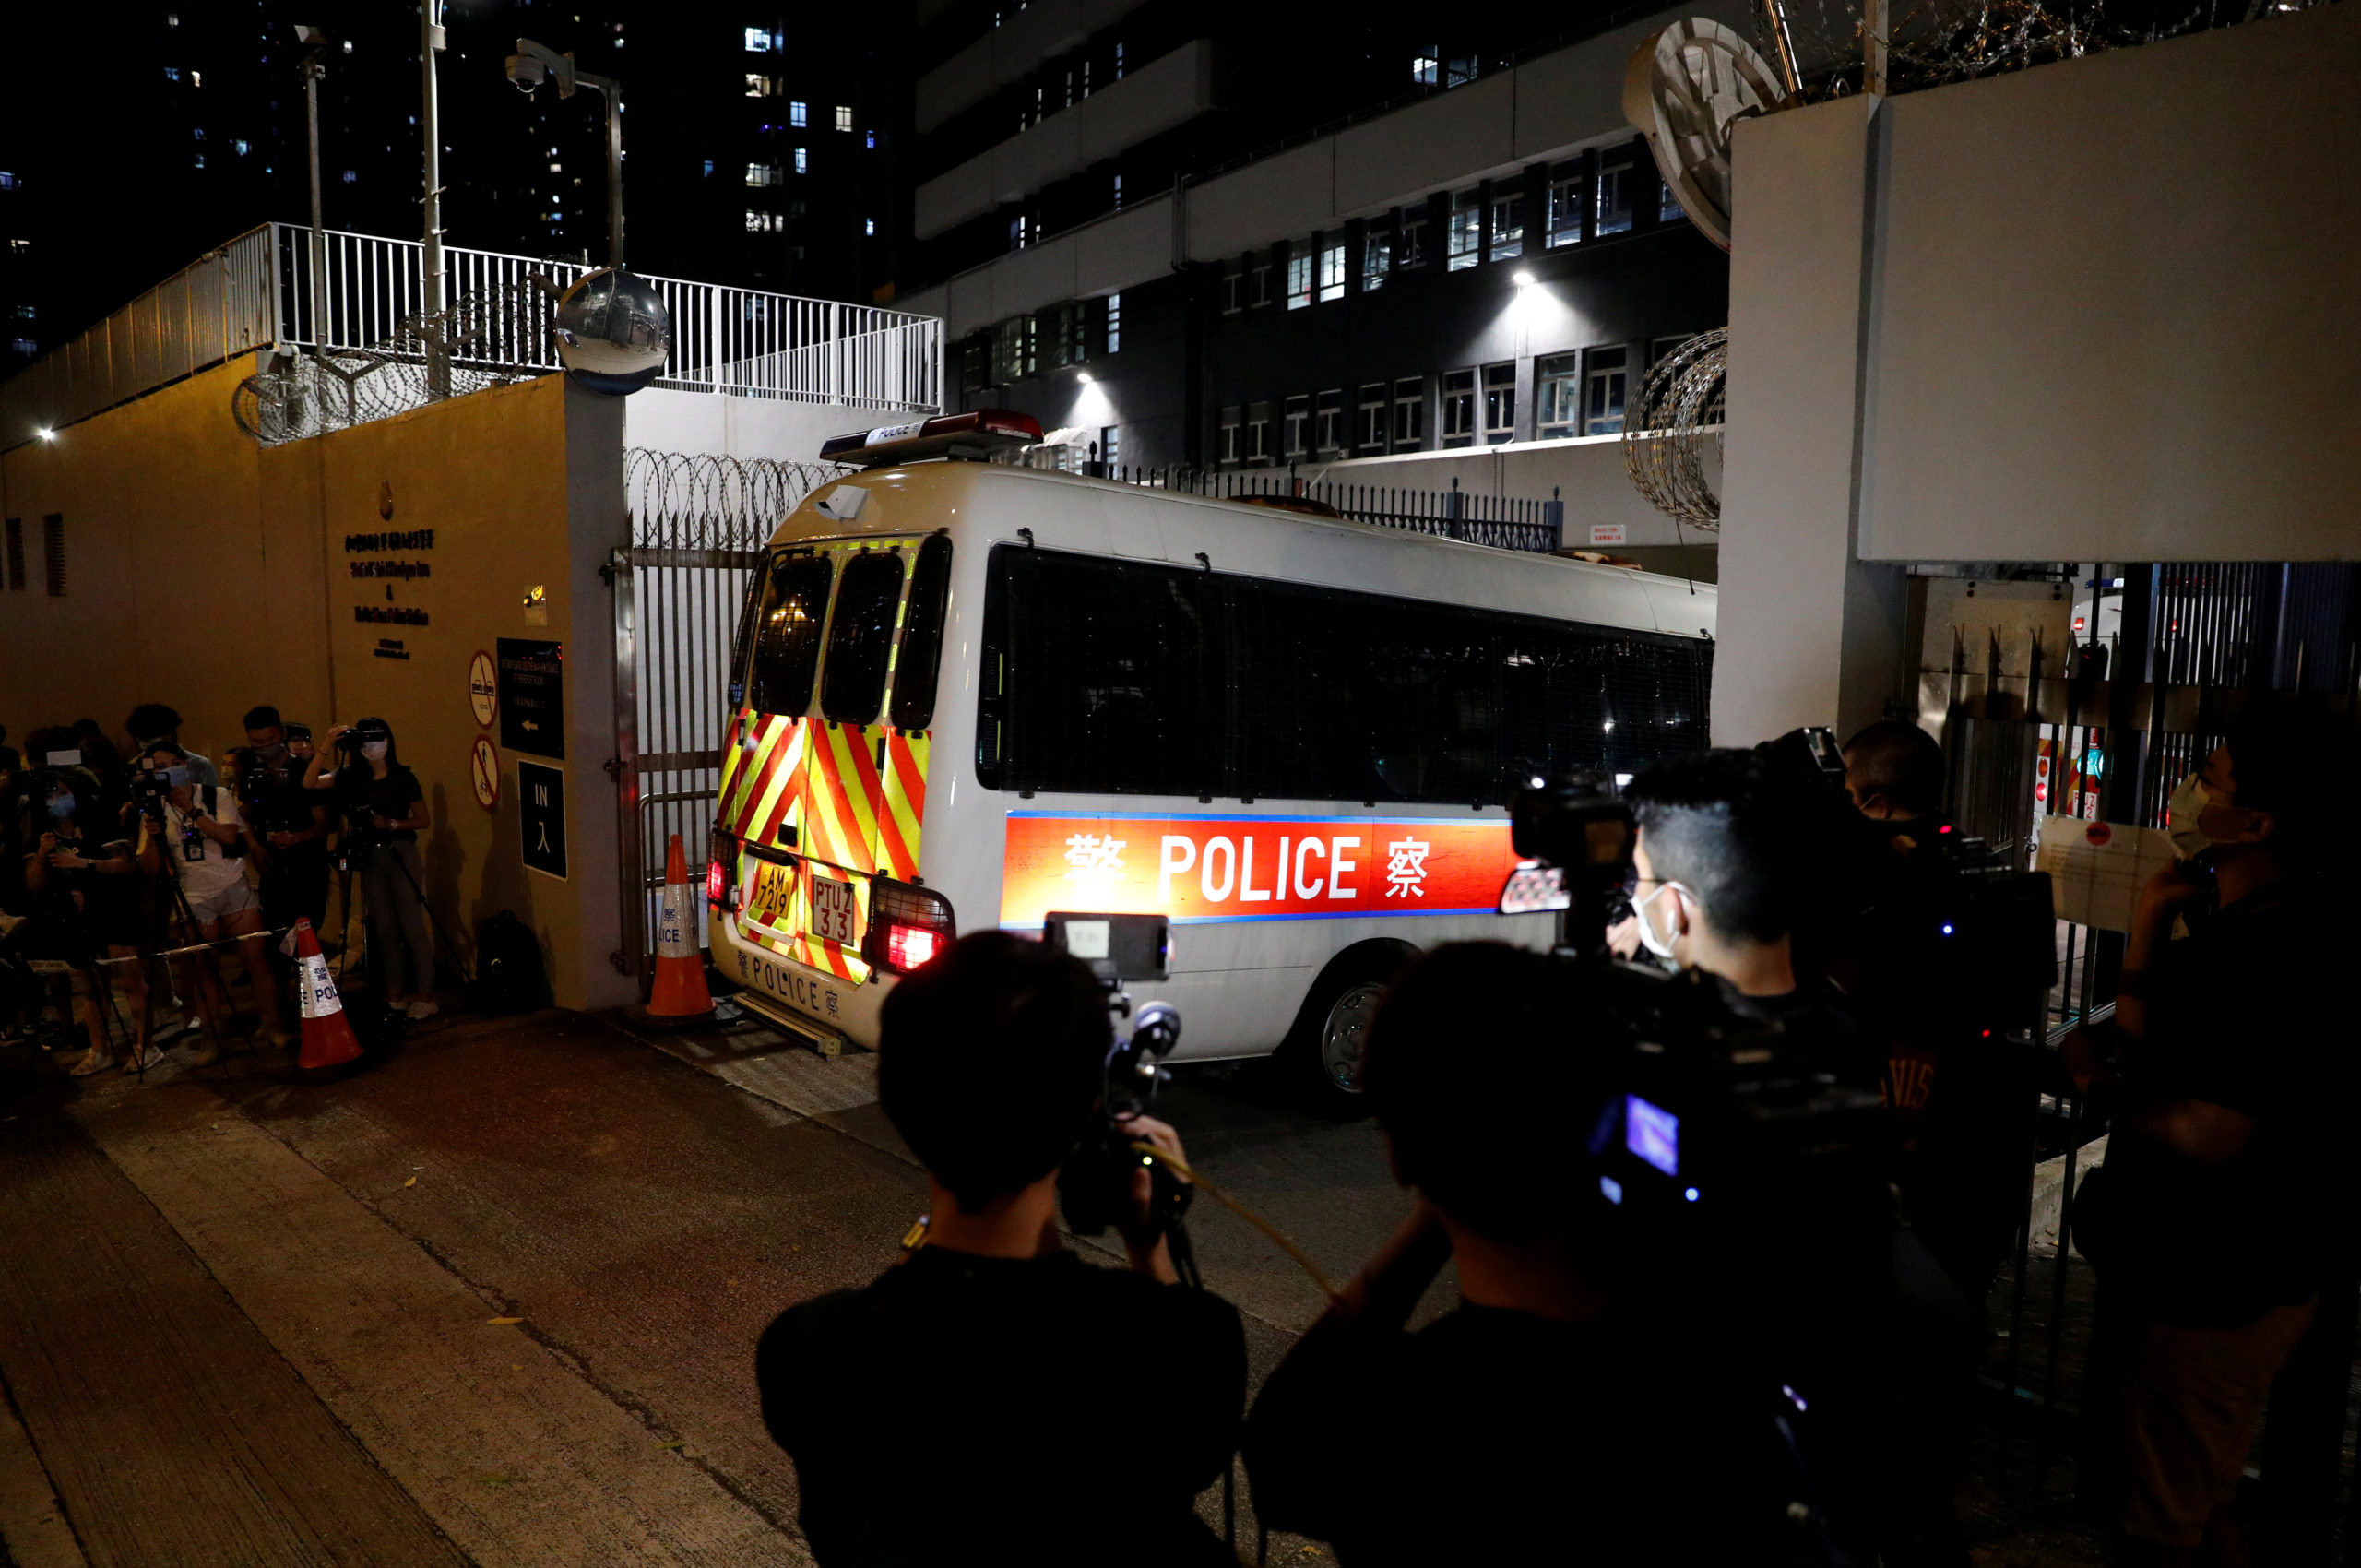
255,292
1504,522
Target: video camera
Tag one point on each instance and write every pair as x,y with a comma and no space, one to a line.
1095,1184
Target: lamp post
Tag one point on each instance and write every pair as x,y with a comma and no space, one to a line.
313,71
438,357
534,63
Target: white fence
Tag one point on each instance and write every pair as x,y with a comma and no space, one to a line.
256,292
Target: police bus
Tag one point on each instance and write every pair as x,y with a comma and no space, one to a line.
965,693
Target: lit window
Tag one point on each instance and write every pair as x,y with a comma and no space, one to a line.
758,41
1499,403
560,168
1566,207
200,160
171,73
1557,396
1298,427
1603,410
869,138
1409,414
1328,425
195,79
869,225
1425,69
1111,445
1614,206
1668,205
844,116
1377,257
802,162
1118,193
1508,227
1300,280
1459,408
25,346
1332,269
708,165
795,114
1020,234
1016,349
171,18
760,222
8,181
1119,61
760,85
1467,229
1373,432
1114,323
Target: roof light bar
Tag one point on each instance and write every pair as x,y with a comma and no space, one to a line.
974,434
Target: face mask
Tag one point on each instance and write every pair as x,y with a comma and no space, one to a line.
374,750
2190,799
60,806
1659,946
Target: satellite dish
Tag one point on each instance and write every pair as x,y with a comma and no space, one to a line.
1683,91
613,331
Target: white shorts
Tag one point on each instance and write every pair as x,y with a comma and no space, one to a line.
228,901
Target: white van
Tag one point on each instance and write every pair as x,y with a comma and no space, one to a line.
966,694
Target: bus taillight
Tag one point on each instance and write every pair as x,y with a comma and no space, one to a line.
907,925
717,871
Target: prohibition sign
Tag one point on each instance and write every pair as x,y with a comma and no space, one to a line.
484,772
483,688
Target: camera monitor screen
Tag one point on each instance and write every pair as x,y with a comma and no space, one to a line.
1652,1133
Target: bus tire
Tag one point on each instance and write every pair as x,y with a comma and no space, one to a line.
1331,1029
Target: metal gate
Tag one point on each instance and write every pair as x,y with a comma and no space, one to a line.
698,523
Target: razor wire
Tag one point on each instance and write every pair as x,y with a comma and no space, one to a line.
713,501
1673,424
304,395
1930,42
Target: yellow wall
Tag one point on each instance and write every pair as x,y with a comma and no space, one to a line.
213,575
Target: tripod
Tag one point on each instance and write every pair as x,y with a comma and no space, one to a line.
371,849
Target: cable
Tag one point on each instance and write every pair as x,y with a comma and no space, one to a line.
1180,1168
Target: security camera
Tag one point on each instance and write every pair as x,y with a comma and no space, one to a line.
527,72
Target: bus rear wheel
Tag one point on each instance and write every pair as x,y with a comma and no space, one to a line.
1331,1038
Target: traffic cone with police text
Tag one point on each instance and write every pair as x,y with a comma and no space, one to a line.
327,1038
679,990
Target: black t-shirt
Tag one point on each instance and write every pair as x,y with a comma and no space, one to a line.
971,1409
2247,1012
1497,1436
390,796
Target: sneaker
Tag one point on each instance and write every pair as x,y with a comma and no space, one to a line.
149,1058
91,1061
423,1008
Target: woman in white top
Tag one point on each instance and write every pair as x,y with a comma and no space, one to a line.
200,837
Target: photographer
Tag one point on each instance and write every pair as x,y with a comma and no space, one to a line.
1541,1418
153,724
1721,878
1055,1413
83,885
194,834
291,820
2223,1225
385,810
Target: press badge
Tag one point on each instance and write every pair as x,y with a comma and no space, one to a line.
191,843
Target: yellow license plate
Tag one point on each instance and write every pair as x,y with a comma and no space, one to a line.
773,896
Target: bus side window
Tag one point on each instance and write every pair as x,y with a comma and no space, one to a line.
915,666
860,639
787,638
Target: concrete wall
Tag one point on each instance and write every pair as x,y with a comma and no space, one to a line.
1586,472
667,420
2109,302
213,575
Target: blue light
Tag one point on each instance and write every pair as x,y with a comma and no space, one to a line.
1612,1188
1947,928
1691,1194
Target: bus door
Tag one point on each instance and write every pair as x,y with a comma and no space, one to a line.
848,794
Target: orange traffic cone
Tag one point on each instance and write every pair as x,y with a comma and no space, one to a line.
327,1038
679,968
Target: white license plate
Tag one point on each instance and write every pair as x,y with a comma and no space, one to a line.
835,914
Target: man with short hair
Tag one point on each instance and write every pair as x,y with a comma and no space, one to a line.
154,723
2222,1226
290,820
1533,1421
1044,1411
1895,771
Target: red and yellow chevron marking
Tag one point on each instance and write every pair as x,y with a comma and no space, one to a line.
904,810
844,797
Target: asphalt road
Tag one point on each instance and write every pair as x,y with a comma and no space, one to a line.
494,1300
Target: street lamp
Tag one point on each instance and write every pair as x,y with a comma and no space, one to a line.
322,44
